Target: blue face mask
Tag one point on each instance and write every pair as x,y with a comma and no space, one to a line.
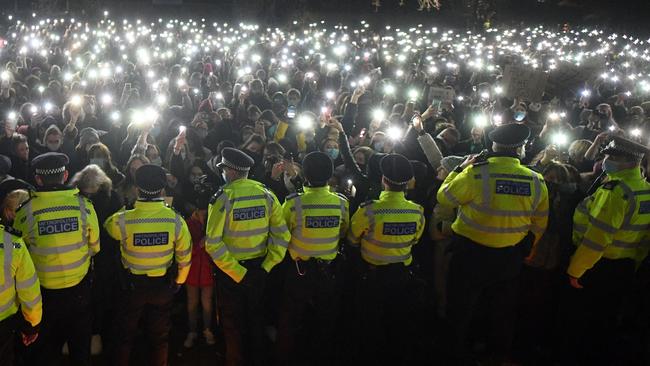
610,166
519,116
333,153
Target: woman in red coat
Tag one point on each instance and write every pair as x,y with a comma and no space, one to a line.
200,283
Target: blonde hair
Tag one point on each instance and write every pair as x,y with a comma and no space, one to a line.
92,176
578,148
12,201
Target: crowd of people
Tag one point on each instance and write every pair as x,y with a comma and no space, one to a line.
190,96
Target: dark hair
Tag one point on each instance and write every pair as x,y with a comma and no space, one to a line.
52,179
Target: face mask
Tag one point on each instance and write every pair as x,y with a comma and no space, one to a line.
53,147
157,161
223,176
155,131
379,146
610,166
333,153
519,116
98,161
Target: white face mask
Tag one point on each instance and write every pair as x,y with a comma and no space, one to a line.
53,146
157,161
225,178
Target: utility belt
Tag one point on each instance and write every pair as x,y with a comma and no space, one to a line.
134,281
326,267
253,262
460,244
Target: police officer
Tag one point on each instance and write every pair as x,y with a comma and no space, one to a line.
61,231
385,229
610,230
155,246
317,219
19,286
500,202
246,237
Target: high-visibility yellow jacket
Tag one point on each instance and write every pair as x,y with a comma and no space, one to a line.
499,201
61,232
245,222
387,228
151,235
317,220
614,222
19,284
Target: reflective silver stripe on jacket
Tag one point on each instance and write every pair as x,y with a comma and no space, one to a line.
21,285
8,256
29,216
247,198
258,248
66,267
31,304
153,220
508,213
387,245
490,229
59,208
216,254
385,258
450,196
245,233
212,240
84,220
592,245
56,250
6,306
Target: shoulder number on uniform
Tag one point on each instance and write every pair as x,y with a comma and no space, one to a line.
644,207
513,188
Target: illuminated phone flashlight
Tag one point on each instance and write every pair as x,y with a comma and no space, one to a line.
181,129
389,89
196,91
324,110
480,120
106,99
161,99
47,106
460,98
219,96
5,75
33,109
498,119
560,139
394,133
181,83
433,69
413,94
628,93
309,75
485,95
350,182
553,116
635,132
11,116
498,89
41,89
399,73
76,100
115,116
612,128
282,78
151,74
330,94
378,115
304,122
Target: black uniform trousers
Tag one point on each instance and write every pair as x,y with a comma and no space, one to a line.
150,298
477,272
311,296
242,315
67,317
385,305
7,339
592,314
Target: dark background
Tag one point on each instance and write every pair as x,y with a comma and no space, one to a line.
621,15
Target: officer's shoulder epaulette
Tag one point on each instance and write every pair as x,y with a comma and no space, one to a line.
479,163
12,231
368,202
610,185
292,196
216,196
341,195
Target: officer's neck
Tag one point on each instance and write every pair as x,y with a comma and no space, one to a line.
503,154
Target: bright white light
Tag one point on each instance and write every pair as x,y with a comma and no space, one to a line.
389,89
394,133
76,100
330,94
106,99
635,132
413,94
304,122
378,115
498,89
560,139
480,120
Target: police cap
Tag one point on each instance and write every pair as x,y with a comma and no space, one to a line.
5,165
235,159
318,168
396,169
150,179
620,146
511,135
50,163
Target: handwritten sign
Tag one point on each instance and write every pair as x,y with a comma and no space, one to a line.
526,83
445,95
